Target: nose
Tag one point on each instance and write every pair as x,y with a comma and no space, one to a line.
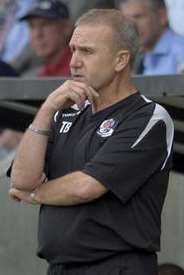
75,62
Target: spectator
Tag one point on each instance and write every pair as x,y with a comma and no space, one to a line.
162,48
170,269
15,37
50,28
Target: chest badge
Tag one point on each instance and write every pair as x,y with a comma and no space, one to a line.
107,127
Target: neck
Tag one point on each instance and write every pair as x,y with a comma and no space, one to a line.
119,89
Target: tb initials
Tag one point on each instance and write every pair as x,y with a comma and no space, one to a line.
65,127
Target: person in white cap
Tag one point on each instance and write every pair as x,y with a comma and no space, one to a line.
50,28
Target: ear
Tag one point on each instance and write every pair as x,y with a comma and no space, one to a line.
122,60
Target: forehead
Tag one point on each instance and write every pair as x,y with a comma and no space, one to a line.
36,20
135,7
91,35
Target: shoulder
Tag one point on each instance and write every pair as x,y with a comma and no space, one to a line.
154,110
177,37
149,114
176,41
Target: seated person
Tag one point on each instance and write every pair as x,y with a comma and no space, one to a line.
162,49
50,29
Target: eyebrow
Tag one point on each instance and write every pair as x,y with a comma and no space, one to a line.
81,47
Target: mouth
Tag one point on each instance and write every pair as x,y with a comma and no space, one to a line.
78,77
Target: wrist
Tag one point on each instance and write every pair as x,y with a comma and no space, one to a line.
39,131
34,197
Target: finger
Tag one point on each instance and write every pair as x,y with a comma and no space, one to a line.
21,195
77,98
85,90
80,92
92,95
44,179
85,86
14,192
15,198
13,195
82,95
66,100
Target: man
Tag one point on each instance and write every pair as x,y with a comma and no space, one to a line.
107,163
50,29
162,48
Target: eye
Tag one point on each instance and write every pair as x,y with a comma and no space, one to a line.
87,50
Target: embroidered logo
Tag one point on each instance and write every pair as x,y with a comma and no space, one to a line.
107,127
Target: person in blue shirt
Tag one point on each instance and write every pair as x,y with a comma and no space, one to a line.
162,49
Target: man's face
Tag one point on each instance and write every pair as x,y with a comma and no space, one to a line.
93,55
150,22
47,36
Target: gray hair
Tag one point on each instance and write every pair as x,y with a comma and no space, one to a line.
125,33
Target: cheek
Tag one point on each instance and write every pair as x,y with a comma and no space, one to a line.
34,39
55,40
143,25
94,69
100,73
